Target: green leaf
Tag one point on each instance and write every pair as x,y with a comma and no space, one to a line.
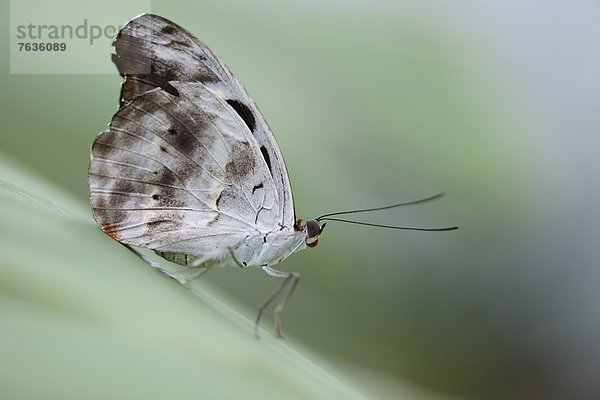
84,318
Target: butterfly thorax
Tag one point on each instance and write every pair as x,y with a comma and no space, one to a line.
269,249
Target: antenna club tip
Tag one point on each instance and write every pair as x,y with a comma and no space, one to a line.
450,228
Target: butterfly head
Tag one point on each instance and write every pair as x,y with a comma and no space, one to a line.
313,229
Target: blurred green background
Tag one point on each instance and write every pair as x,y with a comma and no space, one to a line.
375,102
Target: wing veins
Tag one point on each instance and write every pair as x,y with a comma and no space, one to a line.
243,128
108,161
152,208
146,156
138,181
189,131
170,144
193,238
194,161
173,187
117,192
193,39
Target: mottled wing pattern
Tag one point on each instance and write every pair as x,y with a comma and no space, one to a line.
180,173
152,51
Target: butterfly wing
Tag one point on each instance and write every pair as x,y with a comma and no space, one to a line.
152,51
181,173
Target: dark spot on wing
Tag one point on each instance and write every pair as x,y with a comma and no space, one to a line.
242,162
183,140
214,220
184,128
167,29
244,112
180,43
166,177
219,199
125,186
166,86
152,224
256,187
159,76
265,155
166,223
168,74
155,197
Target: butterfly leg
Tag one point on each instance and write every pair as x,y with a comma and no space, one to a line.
185,277
147,260
190,274
183,274
287,277
240,264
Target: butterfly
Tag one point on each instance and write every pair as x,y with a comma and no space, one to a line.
189,168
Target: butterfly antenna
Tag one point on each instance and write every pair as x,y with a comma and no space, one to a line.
327,217
437,196
406,228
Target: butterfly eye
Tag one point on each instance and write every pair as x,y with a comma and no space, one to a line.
313,228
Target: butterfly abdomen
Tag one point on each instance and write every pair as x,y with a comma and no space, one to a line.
177,258
188,260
